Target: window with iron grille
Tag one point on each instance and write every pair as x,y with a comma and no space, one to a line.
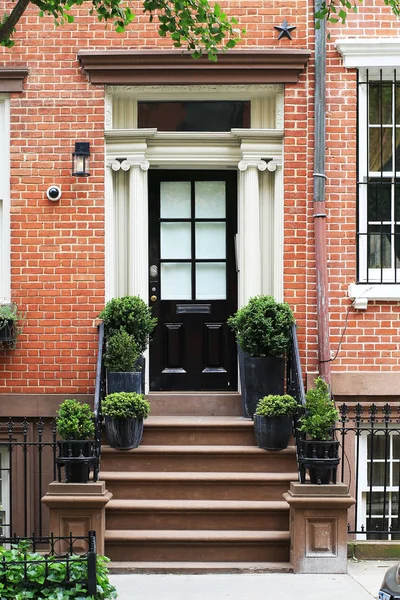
378,230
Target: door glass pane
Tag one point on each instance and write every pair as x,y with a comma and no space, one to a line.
175,200
210,281
210,240
210,199
175,240
176,281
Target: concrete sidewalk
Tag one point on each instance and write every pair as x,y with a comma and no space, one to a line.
361,583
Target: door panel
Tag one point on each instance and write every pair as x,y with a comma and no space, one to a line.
193,280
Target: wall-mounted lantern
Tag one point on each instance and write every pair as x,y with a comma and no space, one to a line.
80,159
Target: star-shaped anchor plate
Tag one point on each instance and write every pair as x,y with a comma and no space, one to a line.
284,29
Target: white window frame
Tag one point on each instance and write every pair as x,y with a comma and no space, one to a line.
5,267
364,488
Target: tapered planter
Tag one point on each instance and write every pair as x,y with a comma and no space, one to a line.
124,433
76,455
320,458
131,381
259,377
273,433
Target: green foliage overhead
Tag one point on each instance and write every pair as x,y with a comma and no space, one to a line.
321,414
126,405
335,11
276,406
263,326
44,579
121,353
75,421
130,314
192,24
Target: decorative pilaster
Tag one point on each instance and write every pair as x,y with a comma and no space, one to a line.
109,231
250,248
275,166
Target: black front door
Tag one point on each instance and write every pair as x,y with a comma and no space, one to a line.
193,280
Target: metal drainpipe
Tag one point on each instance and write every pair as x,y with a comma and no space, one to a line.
321,267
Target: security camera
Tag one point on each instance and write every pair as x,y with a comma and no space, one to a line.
53,193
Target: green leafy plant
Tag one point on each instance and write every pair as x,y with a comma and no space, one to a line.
129,314
275,406
9,319
321,415
125,404
121,353
29,575
75,421
263,326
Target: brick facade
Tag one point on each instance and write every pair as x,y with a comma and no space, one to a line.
57,250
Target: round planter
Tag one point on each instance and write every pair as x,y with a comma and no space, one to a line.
77,469
260,376
124,433
321,458
273,433
124,382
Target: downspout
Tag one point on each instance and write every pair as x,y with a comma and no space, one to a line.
321,267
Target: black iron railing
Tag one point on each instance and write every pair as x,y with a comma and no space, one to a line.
294,378
369,439
99,394
67,562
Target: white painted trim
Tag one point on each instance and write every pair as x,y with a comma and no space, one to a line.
369,52
5,266
371,291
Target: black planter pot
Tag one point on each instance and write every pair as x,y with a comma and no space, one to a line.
123,433
7,331
259,377
76,455
321,458
127,381
273,433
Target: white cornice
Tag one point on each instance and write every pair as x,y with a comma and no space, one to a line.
369,52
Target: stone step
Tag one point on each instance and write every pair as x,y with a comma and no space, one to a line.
197,485
198,546
195,431
197,514
199,458
197,568
195,403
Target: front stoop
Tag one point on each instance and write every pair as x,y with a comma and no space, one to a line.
198,496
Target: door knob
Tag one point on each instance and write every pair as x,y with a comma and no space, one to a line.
153,298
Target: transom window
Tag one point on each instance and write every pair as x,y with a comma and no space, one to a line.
379,177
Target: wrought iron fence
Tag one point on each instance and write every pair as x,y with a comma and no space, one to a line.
68,561
369,439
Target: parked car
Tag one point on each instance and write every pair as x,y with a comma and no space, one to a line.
390,588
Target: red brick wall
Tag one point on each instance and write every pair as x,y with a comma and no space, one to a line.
58,249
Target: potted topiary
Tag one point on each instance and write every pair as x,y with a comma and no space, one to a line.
131,315
9,329
124,374
124,413
273,421
75,426
318,451
263,332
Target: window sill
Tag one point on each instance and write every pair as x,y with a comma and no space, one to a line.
362,292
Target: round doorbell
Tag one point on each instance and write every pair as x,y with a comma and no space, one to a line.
53,193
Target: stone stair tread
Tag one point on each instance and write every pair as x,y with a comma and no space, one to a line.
198,476
166,449
194,535
198,421
117,567
212,505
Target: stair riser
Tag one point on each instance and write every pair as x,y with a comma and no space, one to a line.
260,463
202,552
203,405
203,520
213,436
192,491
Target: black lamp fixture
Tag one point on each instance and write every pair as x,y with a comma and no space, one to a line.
80,159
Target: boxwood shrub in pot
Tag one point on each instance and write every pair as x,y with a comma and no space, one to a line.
263,332
124,413
132,316
318,451
273,421
75,426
